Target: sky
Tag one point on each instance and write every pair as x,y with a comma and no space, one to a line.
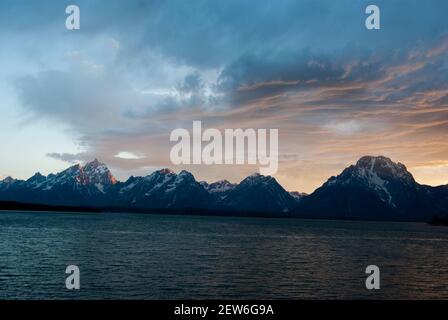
136,70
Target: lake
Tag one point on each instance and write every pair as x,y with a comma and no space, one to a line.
138,256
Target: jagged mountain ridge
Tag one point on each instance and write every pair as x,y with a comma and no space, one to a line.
162,189
77,185
375,188
94,185
258,191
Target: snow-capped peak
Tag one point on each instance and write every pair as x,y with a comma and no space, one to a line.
160,175
218,186
98,173
37,175
8,180
379,174
297,195
257,178
36,181
93,174
185,175
166,171
385,168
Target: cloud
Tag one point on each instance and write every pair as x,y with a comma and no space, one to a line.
128,155
67,157
255,76
192,83
79,98
138,69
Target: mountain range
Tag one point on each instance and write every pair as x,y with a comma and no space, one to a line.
375,188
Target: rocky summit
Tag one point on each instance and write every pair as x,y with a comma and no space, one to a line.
375,188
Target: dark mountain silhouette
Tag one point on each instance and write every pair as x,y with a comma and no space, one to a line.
76,186
375,188
162,189
260,193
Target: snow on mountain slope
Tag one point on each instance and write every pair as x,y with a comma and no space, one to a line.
219,189
163,189
373,188
379,174
93,177
260,193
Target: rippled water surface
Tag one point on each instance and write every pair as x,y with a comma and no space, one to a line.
127,256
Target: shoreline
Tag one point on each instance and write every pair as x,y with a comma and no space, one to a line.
11,206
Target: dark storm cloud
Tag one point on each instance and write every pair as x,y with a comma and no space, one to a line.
309,68
206,33
261,49
79,98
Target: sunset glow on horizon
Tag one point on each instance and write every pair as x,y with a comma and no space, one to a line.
135,71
